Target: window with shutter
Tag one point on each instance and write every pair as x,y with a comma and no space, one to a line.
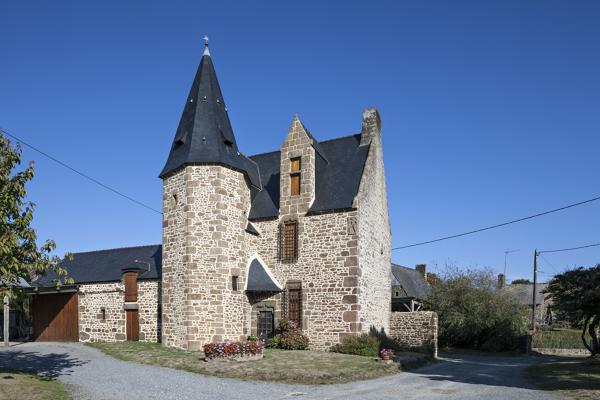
295,180
130,286
295,306
288,242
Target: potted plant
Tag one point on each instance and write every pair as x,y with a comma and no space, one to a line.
386,354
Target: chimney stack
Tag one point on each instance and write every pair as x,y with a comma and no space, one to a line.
501,281
422,268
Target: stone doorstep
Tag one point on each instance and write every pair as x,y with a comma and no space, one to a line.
254,357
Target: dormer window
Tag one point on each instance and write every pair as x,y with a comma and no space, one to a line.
295,176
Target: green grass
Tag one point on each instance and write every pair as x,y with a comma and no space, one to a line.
20,386
558,338
296,367
577,378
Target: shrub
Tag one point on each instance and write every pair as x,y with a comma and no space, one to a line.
289,337
362,345
473,314
233,349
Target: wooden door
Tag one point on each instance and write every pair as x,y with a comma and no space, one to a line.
55,317
295,306
133,325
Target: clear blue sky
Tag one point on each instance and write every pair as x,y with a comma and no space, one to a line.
490,110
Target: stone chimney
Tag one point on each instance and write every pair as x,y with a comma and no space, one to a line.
501,281
422,268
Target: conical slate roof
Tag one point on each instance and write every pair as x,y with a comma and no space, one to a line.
204,134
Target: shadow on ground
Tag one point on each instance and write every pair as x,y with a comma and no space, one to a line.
47,365
507,371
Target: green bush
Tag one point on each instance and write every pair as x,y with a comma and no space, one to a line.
289,337
473,314
363,345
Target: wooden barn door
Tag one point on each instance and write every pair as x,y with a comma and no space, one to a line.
55,317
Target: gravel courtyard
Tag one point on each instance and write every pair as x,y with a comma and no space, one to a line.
90,374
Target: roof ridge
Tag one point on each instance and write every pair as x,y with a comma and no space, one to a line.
117,248
339,138
322,141
265,153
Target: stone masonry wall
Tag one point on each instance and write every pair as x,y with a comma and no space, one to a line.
204,245
415,330
327,269
92,297
174,331
374,232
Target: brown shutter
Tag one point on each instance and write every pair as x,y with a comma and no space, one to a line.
130,286
295,184
295,306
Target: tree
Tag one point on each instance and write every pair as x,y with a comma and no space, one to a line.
20,256
520,281
576,299
473,314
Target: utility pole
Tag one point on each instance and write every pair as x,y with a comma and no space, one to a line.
6,315
535,270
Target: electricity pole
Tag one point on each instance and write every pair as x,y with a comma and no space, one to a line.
535,270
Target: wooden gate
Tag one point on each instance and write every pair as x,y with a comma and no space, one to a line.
55,317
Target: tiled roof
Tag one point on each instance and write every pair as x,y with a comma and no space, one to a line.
107,265
411,281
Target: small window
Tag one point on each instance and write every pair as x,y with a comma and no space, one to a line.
288,242
234,283
295,166
131,294
295,184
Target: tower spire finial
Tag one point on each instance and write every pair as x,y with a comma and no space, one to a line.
206,52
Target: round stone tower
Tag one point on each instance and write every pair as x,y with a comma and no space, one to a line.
206,199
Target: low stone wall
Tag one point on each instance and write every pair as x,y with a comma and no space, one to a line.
415,330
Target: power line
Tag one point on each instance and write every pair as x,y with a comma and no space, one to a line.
97,182
569,249
548,262
502,224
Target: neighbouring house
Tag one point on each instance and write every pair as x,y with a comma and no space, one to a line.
409,287
523,294
299,233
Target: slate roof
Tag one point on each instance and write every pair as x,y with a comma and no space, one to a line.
337,177
204,134
411,281
523,293
107,265
259,279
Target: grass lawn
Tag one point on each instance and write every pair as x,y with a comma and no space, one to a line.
558,338
19,386
577,378
297,367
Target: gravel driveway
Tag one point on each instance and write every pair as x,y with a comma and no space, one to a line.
92,375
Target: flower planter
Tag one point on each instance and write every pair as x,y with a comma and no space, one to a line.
250,357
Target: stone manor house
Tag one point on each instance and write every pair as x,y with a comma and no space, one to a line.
301,233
